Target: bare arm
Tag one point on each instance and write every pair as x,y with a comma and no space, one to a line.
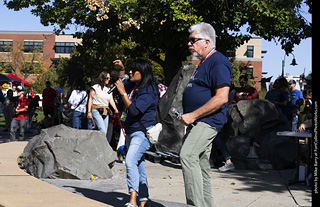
91,95
118,64
113,104
22,110
214,104
122,91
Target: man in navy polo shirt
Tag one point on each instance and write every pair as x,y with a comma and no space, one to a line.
205,106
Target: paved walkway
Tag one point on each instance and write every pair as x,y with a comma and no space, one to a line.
241,188
18,188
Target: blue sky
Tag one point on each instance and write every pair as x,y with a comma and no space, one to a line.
272,63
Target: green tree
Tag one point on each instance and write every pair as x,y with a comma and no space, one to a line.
160,26
237,71
18,62
48,74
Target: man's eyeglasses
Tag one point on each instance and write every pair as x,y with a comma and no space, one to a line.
193,40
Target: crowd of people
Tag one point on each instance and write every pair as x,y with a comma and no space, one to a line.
90,106
133,104
294,104
18,109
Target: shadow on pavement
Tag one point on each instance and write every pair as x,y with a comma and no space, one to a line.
110,198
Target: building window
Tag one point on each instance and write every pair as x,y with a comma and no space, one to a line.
231,53
32,46
64,47
5,46
249,71
250,51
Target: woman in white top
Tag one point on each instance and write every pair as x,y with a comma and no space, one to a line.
98,104
78,101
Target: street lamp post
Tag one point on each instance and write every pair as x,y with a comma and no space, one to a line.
293,63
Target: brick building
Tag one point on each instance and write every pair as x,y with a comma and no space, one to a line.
250,53
32,48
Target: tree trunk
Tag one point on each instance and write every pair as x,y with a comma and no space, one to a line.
172,64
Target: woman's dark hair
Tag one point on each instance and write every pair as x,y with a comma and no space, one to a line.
283,84
102,78
147,76
79,85
9,93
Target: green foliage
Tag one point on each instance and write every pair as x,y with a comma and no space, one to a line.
237,68
262,94
49,74
158,28
237,71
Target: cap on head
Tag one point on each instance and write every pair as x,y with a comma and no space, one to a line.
292,82
20,88
5,86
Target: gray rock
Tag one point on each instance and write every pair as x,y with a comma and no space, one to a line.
64,152
274,152
172,129
254,117
258,120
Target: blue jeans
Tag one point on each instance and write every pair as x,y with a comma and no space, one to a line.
90,124
77,119
29,121
135,164
219,143
101,123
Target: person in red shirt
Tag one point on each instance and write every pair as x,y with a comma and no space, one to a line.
49,97
20,117
245,92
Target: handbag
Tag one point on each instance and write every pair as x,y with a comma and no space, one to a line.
68,112
153,133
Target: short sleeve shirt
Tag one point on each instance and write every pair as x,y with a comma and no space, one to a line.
146,101
22,102
215,71
101,98
76,97
296,95
60,91
49,95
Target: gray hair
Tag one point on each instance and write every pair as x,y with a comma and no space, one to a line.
204,30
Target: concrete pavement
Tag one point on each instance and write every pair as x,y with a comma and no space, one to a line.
17,188
240,188
166,188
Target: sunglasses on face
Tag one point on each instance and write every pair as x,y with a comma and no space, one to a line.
108,78
193,40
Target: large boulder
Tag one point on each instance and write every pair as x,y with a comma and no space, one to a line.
172,129
64,152
274,152
254,117
259,121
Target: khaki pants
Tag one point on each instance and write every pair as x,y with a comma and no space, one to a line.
194,156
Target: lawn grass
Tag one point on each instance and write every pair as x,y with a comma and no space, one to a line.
39,118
